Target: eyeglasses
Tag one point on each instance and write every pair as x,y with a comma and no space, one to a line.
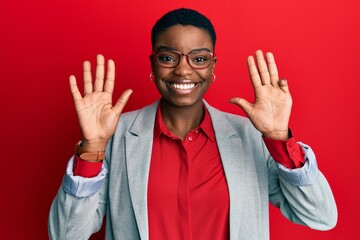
198,59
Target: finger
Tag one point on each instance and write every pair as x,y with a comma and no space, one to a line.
254,75
110,77
283,84
245,105
263,69
274,76
74,89
100,72
121,102
88,87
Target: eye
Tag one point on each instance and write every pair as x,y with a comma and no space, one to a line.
165,58
200,58
168,57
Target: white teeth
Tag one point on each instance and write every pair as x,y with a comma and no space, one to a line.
183,86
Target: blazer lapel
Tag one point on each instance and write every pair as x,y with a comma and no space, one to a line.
233,158
138,144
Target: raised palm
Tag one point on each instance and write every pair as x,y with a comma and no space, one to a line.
97,116
270,112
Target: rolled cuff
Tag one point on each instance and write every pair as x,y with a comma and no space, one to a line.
82,187
304,176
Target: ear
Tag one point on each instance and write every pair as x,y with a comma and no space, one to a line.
151,57
214,60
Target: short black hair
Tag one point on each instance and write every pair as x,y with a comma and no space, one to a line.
183,16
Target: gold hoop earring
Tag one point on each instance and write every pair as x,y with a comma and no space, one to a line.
151,76
213,78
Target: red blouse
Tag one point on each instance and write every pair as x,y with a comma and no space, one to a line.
187,191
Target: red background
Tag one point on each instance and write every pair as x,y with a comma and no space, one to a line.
316,44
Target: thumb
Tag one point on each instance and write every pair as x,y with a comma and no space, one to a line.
245,105
121,102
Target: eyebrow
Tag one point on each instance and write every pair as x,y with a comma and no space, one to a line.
170,48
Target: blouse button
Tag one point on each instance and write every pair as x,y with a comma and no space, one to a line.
190,138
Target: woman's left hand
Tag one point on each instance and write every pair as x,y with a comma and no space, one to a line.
270,112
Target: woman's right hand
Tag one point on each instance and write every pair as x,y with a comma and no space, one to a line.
97,116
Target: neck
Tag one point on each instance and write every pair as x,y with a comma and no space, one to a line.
181,120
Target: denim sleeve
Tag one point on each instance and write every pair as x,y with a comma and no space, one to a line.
304,176
82,187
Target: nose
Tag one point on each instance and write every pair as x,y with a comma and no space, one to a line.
183,68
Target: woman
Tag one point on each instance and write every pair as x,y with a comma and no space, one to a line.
179,168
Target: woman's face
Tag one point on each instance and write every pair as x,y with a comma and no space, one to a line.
182,85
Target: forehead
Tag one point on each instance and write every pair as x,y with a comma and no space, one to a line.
184,38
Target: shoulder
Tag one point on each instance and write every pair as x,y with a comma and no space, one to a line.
148,111
233,130
230,121
135,123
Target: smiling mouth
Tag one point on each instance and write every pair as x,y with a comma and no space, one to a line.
183,86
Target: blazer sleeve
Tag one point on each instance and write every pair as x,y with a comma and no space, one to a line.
303,195
79,206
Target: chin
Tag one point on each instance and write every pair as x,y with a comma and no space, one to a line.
182,102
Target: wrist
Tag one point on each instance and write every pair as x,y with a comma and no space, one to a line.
93,146
278,135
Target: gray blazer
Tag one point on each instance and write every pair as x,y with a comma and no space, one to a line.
252,176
